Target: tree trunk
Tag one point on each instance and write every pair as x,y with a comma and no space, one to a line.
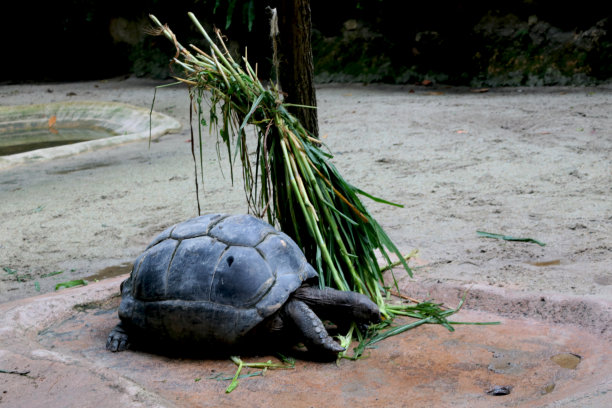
296,70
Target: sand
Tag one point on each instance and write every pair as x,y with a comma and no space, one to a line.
525,162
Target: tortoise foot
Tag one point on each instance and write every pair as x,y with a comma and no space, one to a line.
117,339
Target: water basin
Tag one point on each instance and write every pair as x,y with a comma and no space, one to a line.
46,131
28,138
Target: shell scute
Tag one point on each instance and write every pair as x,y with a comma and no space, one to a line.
189,275
241,230
149,274
242,277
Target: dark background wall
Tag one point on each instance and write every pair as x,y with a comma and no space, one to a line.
520,42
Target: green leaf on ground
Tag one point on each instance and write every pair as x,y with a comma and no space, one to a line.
70,284
508,238
46,275
241,364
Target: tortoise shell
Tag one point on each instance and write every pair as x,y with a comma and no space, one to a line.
212,279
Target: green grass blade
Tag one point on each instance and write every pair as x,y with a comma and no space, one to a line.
70,284
508,238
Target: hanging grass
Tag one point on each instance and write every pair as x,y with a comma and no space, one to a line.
291,181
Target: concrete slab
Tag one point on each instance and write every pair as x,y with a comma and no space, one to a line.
52,355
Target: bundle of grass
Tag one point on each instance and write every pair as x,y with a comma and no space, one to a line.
291,181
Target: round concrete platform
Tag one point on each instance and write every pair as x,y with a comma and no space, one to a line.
52,350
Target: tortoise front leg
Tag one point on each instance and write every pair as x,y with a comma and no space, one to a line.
313,332
117,339
340,307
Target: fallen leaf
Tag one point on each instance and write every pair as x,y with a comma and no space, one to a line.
70,284
546,263
51,123
508,238
480,90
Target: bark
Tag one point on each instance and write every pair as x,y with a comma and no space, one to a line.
296,71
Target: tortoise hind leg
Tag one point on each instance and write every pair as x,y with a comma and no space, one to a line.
117,339
313,332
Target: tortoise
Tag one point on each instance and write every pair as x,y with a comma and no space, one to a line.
224,282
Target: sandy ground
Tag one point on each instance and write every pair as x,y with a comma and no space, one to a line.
529,162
